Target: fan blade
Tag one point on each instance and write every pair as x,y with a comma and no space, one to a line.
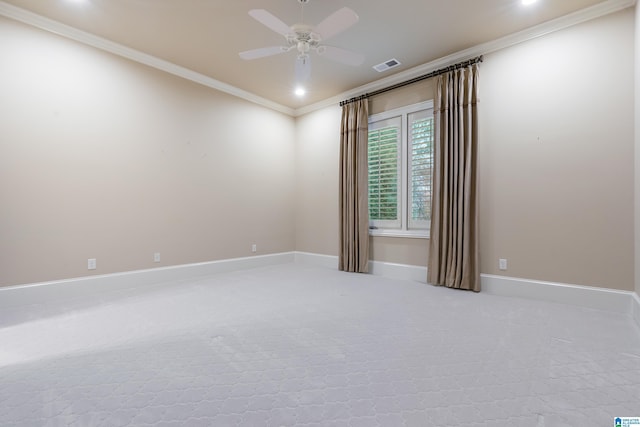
270,21
341,55
303,68
336,23
262,52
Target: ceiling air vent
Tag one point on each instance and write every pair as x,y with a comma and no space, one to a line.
386,65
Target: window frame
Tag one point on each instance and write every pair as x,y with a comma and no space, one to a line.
405,226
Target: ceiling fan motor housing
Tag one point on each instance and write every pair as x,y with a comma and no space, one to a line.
303,38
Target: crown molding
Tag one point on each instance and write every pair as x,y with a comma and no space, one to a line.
575,18
587,14
72,33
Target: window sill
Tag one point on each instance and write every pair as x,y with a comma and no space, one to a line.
412,234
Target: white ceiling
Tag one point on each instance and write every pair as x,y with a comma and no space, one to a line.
205,36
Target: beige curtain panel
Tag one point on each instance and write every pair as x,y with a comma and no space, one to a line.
453,247
354,201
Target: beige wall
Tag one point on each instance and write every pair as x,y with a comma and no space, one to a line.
556,178
408,95
637,151
556,161
317,163
104,158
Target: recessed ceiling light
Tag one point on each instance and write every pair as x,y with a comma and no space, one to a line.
528,2
300,92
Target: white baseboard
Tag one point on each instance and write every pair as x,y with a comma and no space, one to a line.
378,268
598,298
635,309
584,296
38,293
316,260
415,273
611,300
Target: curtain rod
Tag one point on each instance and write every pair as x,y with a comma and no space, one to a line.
415,80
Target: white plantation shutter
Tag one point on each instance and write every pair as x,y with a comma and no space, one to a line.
400,167
384,168
420,126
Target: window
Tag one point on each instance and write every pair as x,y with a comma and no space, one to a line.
400,164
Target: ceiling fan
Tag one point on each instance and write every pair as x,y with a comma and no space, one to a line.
306,38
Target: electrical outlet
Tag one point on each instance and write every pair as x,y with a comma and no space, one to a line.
91,264
254,247
502,264
156,257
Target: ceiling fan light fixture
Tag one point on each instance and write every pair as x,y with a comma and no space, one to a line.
303,47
